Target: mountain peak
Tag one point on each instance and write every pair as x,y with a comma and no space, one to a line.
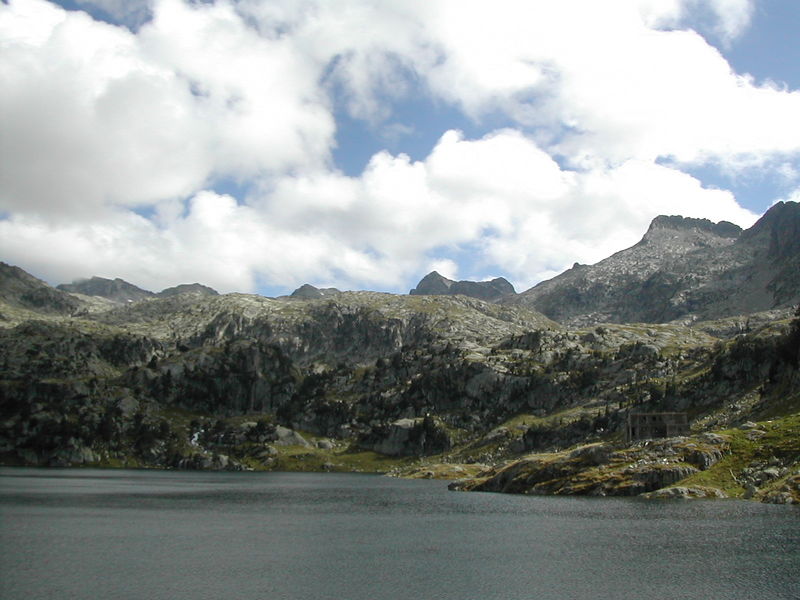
676,222
682,266
780,225
434,284
309,292
20,288
188,288
117,289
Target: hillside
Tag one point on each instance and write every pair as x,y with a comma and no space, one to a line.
425,385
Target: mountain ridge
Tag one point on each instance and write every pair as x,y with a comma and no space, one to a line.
120,291
436,284
681,269
430,385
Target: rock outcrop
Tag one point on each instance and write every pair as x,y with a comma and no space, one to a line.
408,437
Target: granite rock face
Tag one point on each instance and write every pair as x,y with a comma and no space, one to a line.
408,437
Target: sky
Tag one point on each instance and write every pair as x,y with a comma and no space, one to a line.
256,145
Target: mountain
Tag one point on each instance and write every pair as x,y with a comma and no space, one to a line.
437,285
682,269
428,385
309,292
117,289
19,289
188,288
120,291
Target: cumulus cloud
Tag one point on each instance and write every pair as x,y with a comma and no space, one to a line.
734,16
113,140
113,118
609,87
530,217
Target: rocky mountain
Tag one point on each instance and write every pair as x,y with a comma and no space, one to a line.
19,289
437,285
690,269
120,291
427,385
309,292
188,288
117,290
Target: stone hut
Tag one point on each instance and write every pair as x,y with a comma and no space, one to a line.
642,426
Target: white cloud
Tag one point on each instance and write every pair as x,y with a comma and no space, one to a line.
114,118
98,120
530,217
733,17
725,19
611,88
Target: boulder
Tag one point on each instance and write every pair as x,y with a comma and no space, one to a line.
289,437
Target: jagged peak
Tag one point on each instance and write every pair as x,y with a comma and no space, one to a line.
722,229
310,292
436,276
779,212
433,283
781,224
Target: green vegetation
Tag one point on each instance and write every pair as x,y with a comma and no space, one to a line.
451,386
775,441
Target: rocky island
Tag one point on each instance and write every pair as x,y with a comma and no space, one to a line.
527,392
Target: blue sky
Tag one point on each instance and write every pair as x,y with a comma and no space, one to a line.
258,145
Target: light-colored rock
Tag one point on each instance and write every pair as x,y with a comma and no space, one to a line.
686,492
289,437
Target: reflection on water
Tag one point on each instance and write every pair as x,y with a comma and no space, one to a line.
175,535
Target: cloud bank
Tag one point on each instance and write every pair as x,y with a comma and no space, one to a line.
118,143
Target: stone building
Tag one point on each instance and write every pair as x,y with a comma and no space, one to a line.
642,426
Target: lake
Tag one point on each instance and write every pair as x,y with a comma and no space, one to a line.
85,533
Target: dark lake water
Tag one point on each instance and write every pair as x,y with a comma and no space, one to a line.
186,535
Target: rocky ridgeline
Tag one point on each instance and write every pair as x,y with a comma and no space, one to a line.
690,269
434,284
120,291
22,291
430,383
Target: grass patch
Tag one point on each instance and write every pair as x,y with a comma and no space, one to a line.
781,440
350,460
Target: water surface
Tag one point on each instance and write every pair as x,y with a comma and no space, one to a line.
188,535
